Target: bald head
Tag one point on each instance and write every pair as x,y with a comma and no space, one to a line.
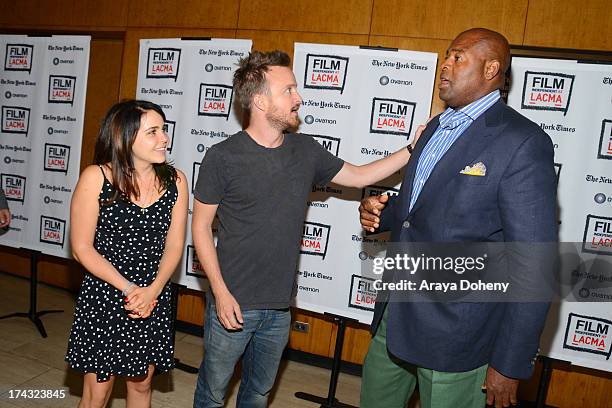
494,46
475,65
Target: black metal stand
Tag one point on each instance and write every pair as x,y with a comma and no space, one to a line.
544,382
32,314
331,401
177,363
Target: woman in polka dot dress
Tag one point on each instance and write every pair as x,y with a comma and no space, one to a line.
128,217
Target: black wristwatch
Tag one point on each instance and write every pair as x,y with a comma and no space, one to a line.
409,148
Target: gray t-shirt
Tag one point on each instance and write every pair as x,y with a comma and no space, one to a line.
262,195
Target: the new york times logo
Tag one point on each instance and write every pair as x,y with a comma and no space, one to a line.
362,295
315,238
331,144
169,126
588,334
57,157
15,119
549,91
392,116
597,235
19,57
194,175
605,140
215,100
370,191
325,72
194,266
14,187
163,63
52,230
61,89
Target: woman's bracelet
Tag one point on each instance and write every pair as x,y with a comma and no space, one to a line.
128,287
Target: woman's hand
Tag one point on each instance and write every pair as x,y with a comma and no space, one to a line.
140,301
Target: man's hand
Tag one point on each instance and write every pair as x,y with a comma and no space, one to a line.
369,211
5,218
501,390
228,311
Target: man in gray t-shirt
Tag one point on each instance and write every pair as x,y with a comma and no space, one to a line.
257,184
264,193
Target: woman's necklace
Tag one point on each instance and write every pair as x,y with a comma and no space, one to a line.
146,202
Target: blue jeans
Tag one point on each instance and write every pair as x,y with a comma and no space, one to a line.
262,340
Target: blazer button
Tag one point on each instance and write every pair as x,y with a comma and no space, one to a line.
406,224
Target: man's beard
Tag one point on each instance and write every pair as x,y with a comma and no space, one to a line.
282,122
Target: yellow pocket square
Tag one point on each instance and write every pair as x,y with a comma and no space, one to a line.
479,169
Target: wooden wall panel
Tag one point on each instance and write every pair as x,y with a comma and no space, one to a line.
356,341
96,13
102,90
191,308
417,44
578,387
283,40
570,24
318,338
444,19
183,13
129,66
322,16
36,13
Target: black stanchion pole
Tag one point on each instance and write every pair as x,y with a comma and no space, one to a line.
544,382
331,401
177,363
32,314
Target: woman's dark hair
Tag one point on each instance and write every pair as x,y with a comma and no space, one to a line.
114,146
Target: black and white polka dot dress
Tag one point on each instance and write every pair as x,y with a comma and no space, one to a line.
103,339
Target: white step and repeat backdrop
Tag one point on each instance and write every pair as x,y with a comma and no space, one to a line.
361,104
42,102
192,81
572,102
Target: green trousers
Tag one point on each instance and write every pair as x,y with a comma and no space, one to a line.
388,382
